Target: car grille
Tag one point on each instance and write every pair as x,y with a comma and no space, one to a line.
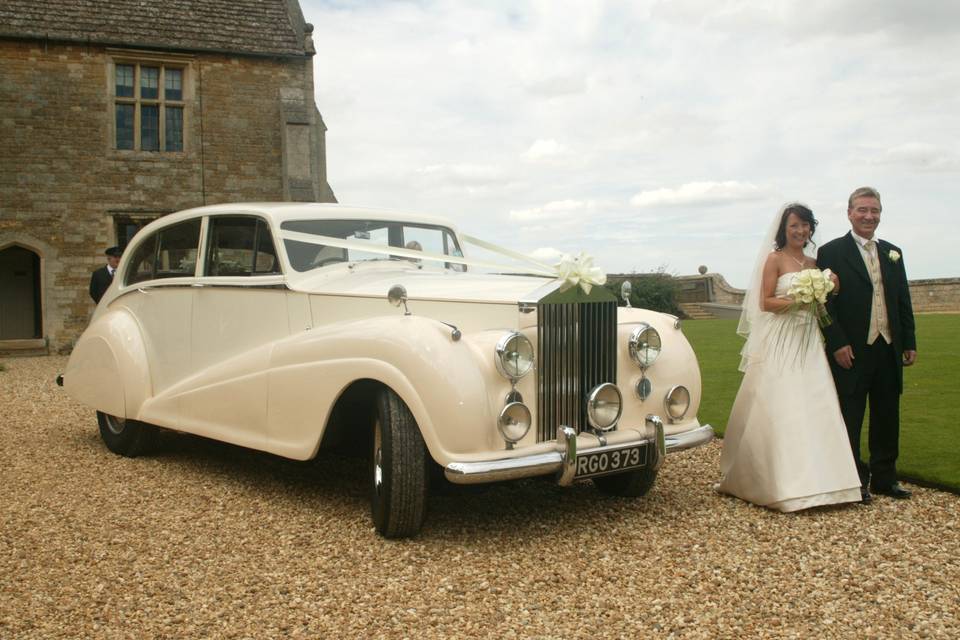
577,350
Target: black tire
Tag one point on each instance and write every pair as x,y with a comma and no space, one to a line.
398,470
631,484
128,438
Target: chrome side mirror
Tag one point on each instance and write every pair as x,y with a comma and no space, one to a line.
625,290
397,295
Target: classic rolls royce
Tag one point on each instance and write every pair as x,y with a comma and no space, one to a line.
293,327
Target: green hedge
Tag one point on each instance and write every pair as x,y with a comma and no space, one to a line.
656,290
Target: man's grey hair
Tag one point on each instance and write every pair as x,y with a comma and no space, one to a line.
864,192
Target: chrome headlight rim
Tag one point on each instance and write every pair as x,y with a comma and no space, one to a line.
641,355
514,422
594,401
501,352
677,396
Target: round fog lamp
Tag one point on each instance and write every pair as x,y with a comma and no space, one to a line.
644,345
677,402
604,406
644,388
514,356
514,422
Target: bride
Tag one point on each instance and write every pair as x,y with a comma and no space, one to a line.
786,446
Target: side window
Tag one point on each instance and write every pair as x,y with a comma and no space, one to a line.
240,246
177,253
142,261
168,253
265,259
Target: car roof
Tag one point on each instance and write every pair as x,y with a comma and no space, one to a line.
279,212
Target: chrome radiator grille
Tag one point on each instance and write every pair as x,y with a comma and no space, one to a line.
577,350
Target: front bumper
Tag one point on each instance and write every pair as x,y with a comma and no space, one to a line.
563,460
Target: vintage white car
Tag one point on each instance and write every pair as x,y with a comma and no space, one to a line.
290,327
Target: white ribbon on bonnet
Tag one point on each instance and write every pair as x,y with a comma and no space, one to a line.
571,270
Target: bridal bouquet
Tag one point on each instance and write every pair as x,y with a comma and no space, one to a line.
809,290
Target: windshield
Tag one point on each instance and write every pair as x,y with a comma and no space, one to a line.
305,256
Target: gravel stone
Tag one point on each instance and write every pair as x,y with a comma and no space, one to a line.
206,540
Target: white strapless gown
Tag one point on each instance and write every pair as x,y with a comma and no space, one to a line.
786,445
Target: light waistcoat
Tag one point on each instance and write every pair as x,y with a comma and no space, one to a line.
879,320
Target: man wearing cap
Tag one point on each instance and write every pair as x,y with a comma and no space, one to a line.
102,277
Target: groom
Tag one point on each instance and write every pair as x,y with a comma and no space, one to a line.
870,340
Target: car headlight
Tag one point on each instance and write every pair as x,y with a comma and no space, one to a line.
514,356
676,402
514,422
604,406
644,345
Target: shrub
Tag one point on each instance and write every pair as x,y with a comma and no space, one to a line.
656,290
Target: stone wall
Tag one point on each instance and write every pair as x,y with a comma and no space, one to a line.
710,287
935,294
62,181
930,295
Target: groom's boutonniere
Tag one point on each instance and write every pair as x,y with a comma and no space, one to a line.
894,255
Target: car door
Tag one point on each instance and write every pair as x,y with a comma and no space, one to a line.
239,311
157,291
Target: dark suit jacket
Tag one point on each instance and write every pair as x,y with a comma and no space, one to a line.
850,310
99,283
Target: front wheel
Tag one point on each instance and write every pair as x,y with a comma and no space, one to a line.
129,438
398,470
631,484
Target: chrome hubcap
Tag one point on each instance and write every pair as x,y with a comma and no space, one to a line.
377,459
116,425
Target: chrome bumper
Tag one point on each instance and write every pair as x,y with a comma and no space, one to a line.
563,460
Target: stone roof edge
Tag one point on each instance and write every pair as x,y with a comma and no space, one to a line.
4,35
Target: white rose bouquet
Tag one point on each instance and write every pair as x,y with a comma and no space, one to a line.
809,290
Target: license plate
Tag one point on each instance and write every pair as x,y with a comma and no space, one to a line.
599,463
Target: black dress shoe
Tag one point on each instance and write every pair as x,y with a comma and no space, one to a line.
865,497
894,490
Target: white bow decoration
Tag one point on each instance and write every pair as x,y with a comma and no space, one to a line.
579,271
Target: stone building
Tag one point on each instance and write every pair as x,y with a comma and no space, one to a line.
116,112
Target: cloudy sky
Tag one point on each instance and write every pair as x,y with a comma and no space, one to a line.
651,134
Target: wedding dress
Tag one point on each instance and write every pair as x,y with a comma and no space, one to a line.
786,445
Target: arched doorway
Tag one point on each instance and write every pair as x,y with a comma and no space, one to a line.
20,312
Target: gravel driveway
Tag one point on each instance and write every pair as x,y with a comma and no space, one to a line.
205,540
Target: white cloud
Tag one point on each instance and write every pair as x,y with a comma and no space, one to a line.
463,174
699,193
555,211
546,254
544,149
919,155
557,85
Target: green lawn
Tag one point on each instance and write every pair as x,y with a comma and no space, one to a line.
929,407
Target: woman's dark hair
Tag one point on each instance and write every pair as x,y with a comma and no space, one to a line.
801,212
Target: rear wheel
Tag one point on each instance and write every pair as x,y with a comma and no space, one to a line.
126,437
631,484
398,470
